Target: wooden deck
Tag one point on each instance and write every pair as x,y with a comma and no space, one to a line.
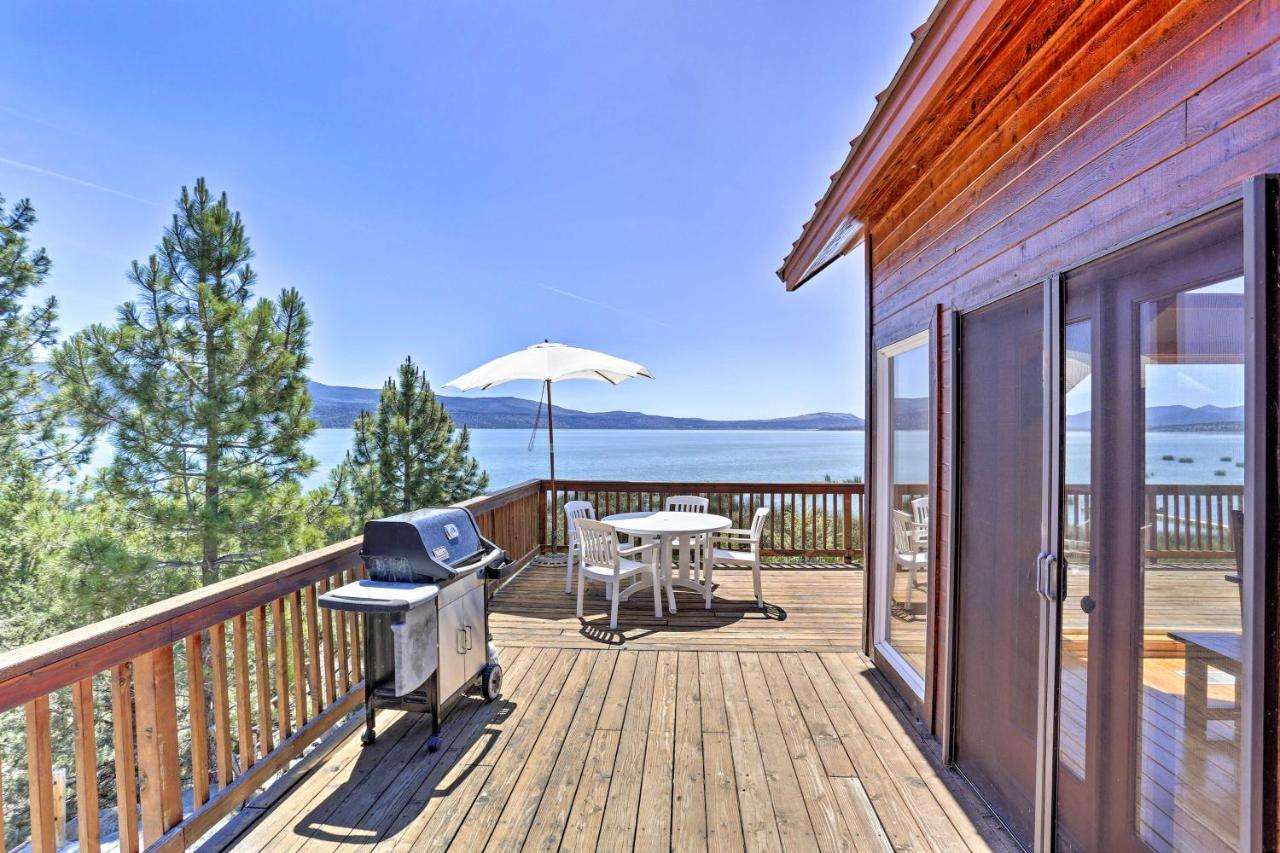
809,607
725,730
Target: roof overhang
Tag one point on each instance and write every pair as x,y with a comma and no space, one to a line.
939,48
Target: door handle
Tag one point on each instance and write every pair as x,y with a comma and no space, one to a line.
1047,575
470,643
461,644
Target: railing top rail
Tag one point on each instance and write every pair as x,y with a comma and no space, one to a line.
705,486
58,661
502,497
51,664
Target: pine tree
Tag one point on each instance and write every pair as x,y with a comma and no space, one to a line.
406,455
202,390
28,440
25,423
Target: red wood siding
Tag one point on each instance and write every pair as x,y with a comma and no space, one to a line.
1081,126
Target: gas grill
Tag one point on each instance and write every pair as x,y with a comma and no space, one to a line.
425,603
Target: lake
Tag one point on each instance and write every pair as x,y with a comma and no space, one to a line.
769,455
644,454
762,456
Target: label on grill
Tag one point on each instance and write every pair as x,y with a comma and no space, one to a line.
440,552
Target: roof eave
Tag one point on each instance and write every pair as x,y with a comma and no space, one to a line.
939,44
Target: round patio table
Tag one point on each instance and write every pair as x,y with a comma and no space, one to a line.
665,526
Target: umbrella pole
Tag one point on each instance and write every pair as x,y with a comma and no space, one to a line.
551,442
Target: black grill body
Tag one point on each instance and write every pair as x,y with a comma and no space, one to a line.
426,613
423,546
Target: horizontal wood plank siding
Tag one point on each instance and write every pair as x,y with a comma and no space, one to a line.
1081,127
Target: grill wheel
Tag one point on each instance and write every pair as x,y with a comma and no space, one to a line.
491,682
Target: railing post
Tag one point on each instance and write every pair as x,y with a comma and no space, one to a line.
542,515
847,526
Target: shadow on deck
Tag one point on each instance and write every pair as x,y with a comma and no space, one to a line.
722,729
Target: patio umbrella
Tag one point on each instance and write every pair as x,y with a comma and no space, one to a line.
550,363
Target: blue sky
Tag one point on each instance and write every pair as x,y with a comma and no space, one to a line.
457,180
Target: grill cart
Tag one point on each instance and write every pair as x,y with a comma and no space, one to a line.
426,613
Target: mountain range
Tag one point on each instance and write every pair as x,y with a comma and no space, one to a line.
1180,419
338,406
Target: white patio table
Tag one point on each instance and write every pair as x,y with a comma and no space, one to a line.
666,526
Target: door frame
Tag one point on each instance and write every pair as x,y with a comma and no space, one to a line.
1260,714
909,683
1049,565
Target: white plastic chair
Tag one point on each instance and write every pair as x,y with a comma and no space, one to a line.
599,558
743,549
573,511
697,544
920,518
686,503
908,552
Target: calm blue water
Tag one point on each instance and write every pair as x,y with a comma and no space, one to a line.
762,456
610,454
771,456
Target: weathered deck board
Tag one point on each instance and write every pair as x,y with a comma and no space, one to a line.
757,739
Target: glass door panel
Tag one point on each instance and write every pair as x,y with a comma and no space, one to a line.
1149,691
903,506
1190,399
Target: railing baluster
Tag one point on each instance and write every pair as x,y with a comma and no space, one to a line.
161,788
344,672
126,772
86,754
244,712
299,671
281,667
261,667
313,653
40,774
199,723
221,705
330,650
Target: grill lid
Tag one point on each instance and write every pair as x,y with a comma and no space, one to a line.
423,546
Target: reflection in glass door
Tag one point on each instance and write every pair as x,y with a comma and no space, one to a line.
1150,630
902,507
1076,646
1189,399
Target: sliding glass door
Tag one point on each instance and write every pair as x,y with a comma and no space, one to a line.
1102,676
1151,642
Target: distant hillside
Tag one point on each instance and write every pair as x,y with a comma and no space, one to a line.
337,406
1181,419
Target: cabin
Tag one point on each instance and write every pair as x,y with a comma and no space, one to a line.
1049,618
1067,226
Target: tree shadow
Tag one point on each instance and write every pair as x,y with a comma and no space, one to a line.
393,784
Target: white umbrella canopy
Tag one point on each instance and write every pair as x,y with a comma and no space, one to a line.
549,363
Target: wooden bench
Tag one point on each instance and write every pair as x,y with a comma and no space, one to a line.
1222,652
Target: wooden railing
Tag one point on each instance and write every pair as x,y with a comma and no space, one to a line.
178,712
1187,521
805,519
174,727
